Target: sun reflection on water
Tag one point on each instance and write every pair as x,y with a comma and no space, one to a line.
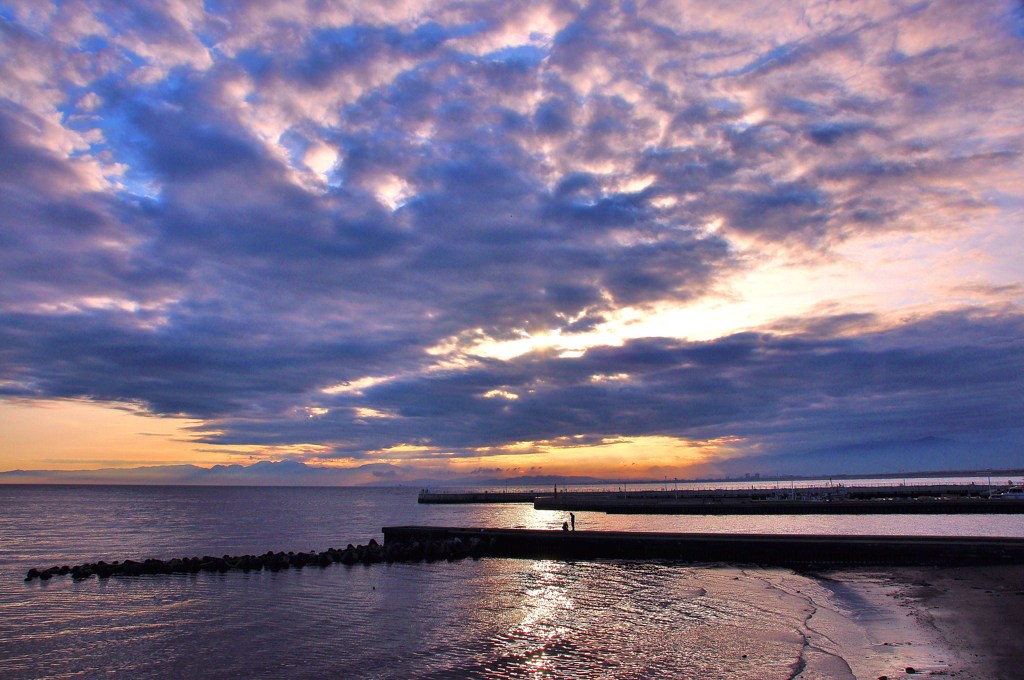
545,614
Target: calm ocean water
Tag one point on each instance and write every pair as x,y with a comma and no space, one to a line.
492,618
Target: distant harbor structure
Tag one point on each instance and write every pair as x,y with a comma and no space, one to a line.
470,497
812,500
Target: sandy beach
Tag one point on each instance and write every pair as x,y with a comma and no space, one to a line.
976,611
962,622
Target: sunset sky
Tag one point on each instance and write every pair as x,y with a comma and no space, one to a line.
630,239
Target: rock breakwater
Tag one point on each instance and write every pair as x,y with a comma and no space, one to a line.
415,550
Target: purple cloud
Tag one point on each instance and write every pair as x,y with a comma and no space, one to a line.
227,212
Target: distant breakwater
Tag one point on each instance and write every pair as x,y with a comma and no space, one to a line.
413,550
929,499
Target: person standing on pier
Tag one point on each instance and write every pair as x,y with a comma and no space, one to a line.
572,519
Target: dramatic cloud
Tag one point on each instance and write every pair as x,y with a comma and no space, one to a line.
421,232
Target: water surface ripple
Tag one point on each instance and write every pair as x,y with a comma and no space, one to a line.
492,618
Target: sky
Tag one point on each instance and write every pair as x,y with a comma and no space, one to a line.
433,239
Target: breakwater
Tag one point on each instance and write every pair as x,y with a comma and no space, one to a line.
763,549
414,550
470,497
420,543
936,499
754,492
624,504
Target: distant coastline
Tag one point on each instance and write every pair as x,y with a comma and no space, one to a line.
293,473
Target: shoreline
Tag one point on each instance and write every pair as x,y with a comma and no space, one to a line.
961,621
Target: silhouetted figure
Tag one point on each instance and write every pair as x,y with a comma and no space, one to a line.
565,526
572,518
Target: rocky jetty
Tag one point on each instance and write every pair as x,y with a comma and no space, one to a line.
416,543
414,550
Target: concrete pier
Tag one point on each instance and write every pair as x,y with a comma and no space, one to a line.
948,499
625,504
817,551
478,497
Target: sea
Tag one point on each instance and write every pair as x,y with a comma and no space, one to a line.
486,618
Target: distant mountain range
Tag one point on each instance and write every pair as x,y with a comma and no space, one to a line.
284,473
293,473
265,473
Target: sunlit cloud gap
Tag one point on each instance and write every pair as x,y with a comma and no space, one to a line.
324,233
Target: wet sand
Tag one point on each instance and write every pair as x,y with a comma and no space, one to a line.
978,611
962,622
